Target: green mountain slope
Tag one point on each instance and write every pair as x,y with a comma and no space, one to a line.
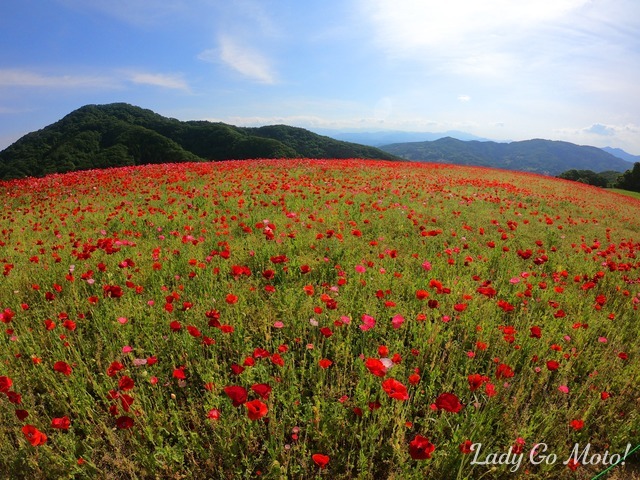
538,156
118,134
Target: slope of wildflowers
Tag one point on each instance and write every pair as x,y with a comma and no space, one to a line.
293,319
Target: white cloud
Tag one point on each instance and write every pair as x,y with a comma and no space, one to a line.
24,78
599,129
171,81
497,40
464,98
20,78
409,24
242,59
623,135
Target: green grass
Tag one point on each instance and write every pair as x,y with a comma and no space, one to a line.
251,273
625,192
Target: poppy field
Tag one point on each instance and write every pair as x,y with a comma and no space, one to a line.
316,319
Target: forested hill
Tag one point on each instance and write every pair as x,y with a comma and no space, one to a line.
118,134
539,156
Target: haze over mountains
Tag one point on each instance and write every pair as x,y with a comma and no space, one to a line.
378,139
618,152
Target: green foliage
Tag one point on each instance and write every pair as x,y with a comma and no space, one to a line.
537,156
585,176
118,134
630,180
611,177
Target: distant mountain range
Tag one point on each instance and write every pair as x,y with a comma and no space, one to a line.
377,139
618,152
118,134
539,156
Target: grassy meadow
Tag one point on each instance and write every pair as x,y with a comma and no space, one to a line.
315,319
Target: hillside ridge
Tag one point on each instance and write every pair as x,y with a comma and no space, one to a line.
120,134
549,157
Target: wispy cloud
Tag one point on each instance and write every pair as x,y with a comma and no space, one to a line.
21,78
170,81
24,78
244,60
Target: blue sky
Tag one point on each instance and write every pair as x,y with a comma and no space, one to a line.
500,69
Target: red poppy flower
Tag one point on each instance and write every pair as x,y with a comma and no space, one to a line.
476,380
277,359
5,384
552,365
573,464
325,363
260,353
14,397
34,436
576,424
248,362
376,367
460,307
490,389
421,294
22,414
326,332
448,402
256,409
193,331
126,383
63,368
124,422
465,447
262,389
269,274
420,448
504,371
320,459
61,423
126,401
114,368
395,389
231,299
237,394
